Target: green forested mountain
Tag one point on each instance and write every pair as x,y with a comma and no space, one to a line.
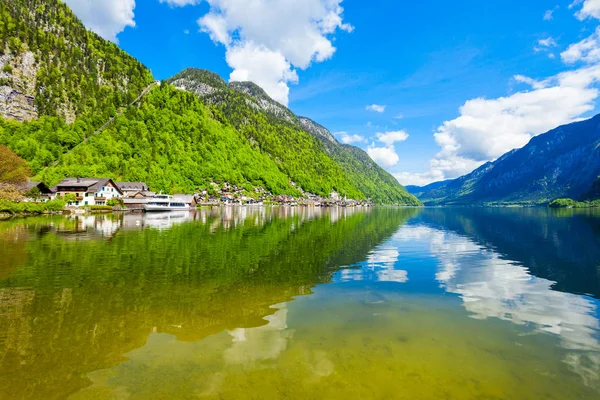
49,59
247,107
379,185
61,83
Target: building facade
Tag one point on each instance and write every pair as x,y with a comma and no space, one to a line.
88,191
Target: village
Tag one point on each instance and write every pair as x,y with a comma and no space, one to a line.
136,196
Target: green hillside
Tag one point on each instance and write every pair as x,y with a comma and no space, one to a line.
69,71
66,82
286,136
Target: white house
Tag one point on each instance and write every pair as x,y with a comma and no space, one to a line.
88,191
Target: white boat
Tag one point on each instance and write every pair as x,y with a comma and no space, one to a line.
163,202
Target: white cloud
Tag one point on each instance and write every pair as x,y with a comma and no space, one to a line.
545,45
384,156
268,69
349,139
588,50
376,108
216,26
181,3
390,138
299,32
530,81
590,9
418,179
488,128
549,15
548,42
187,31
107,18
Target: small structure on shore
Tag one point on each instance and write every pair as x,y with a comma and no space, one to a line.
88,191
36,192
130,189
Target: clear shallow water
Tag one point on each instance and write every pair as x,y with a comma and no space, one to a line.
294,303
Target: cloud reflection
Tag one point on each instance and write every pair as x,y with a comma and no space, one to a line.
494,287
380,266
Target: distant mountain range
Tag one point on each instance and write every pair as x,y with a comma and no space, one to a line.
564,162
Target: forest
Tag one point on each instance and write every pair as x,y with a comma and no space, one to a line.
172,140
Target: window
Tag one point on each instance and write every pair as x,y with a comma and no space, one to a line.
86,203
86,195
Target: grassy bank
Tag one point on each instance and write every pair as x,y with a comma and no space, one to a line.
16,208
570,203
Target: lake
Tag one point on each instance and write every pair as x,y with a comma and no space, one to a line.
298,303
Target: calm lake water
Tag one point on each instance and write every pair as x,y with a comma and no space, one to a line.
281,303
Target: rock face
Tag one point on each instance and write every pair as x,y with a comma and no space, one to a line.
17,86
200,82
564,162
264,102
317,130
16,105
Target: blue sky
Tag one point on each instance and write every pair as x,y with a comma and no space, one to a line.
450,85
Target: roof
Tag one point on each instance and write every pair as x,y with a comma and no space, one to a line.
131,200
87,184
40,185
139,186
184,198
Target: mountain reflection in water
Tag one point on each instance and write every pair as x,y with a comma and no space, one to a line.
260,302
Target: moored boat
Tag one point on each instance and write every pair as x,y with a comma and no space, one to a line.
162,203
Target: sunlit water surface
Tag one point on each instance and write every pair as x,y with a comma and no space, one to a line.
283,303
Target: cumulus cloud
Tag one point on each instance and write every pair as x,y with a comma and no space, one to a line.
488,128
588,50
289,34
590,9
349,139
418,179
390,138
384,156
376,108
107,18
268,69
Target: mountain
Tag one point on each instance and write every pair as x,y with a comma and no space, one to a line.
73,104
564,162
239,102
420,190
50,65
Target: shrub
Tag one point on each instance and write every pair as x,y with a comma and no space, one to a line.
101,208
12,207
114,202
